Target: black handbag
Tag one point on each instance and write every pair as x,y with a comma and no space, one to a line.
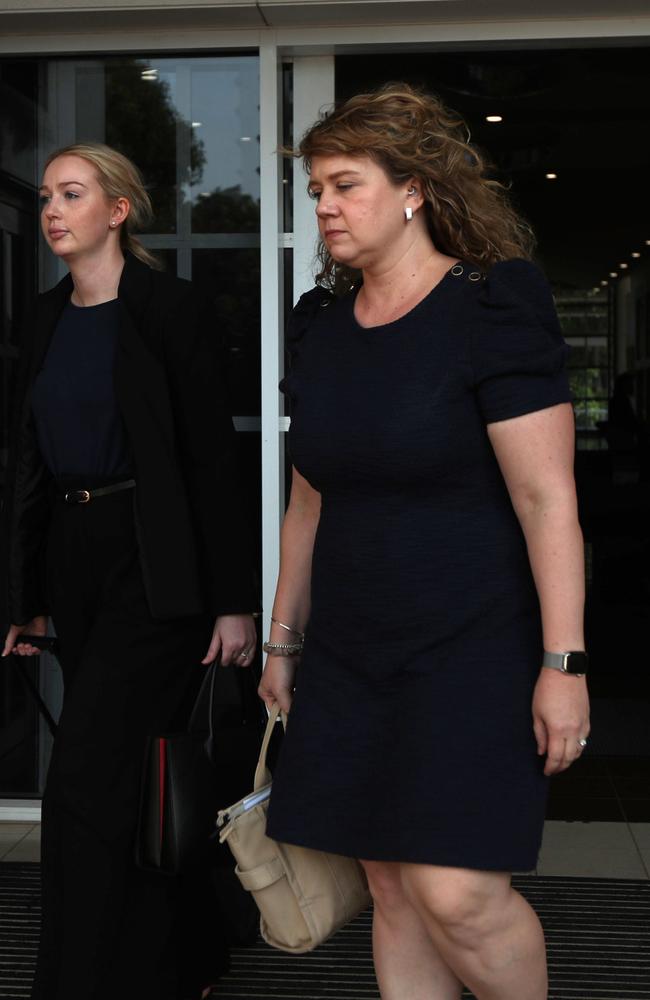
187,775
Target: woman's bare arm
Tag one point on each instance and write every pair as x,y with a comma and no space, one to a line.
535,453
292,596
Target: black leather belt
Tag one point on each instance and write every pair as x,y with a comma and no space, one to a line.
84,496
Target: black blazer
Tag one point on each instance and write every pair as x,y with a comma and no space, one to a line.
194,545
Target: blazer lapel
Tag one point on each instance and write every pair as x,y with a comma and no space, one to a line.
48,310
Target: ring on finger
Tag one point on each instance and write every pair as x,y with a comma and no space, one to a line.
582,743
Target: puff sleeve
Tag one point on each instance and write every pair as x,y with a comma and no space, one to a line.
518,352
308,306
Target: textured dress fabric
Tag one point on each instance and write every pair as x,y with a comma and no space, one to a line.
410,737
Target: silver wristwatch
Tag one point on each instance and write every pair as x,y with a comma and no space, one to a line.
574,662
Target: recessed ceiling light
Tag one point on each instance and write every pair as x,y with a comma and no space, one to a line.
245,138
647,243
551,177
149,74
494,118
623,266
613,274
604,282
197,124
635,254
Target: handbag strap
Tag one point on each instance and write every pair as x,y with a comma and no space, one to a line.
208,682
261,771
208,687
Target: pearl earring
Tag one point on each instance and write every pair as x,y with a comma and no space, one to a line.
408,212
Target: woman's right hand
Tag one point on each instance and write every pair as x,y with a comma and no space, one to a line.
277,681
37,626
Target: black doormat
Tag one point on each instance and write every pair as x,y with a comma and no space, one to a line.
597,931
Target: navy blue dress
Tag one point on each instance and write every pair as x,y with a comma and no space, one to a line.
78,423
411,737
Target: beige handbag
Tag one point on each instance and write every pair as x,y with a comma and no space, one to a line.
303,895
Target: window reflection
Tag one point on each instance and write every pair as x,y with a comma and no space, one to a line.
231,278
225,195
226,210
590,413
192,127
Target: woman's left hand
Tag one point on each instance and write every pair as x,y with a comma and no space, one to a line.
234,638
560,718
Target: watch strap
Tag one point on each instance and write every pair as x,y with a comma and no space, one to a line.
572,662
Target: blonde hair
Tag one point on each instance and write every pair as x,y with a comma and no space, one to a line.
118,177
410,133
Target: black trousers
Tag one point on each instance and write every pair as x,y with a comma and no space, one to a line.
110,930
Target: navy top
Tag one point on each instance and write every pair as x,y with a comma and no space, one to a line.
410,737
78,423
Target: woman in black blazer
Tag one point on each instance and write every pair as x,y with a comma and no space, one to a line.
121,522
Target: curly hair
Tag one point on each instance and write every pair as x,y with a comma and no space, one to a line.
410,133
118,177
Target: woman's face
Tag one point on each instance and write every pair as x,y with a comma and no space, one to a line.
76,216
360,210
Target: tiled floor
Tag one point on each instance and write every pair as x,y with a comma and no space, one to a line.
20,841
606,789
599,850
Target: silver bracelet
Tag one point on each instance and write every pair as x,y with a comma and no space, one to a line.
283,648
288,628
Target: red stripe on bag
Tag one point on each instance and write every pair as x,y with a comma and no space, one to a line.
162,763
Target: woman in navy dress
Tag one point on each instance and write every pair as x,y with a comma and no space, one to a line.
431,552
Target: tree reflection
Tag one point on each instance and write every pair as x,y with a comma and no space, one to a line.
142,122
226,210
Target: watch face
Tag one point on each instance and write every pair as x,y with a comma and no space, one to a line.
577,663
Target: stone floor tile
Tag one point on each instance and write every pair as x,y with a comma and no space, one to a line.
26,850
11,834
615,836
592,862
599,850
641,834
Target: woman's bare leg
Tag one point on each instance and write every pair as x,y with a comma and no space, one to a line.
484,930
407,963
